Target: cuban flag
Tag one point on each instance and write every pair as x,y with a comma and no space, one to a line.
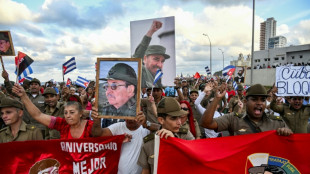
229,70
69,81
207,70
23,62
82,82
69,66
235,85
157,76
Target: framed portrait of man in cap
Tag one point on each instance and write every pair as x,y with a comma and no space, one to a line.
118,87
153,41
239,76
6,44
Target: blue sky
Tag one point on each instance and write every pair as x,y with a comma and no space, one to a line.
52,31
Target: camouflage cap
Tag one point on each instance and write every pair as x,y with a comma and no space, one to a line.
35,80
240,87
49,90
193,91
157,49
170,106
3,36
256,90
122,71
7,102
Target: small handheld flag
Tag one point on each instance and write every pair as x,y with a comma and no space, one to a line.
82,82
157,76
68,82
207,70
23,62
229,70
69,66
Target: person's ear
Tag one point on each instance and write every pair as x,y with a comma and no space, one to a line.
160,120
144,59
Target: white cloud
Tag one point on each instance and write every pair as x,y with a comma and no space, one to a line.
13,12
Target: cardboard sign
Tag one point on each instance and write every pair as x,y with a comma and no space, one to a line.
293,80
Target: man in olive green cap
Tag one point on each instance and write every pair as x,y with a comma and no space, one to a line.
120,90
169,114
233,103
5,46
17,129
153,56
254,120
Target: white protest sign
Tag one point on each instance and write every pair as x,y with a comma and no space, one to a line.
293,80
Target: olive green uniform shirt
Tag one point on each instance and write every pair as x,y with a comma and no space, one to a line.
128,109
236,125
297,120
146,106
233,104
26,132
146,157
58,112
147,77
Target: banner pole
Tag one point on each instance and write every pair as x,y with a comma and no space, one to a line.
17,71
2,63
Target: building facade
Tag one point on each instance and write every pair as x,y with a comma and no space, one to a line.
298,55
267,30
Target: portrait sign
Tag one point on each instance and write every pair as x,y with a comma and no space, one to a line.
6,44
293,80
239,75
153,41
118,85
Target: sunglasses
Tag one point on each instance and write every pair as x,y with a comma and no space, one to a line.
113,86
185,109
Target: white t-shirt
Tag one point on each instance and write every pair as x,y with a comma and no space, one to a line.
130,150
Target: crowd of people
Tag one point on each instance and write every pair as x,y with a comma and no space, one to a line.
192,109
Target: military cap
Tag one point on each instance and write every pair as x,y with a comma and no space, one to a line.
256,90
35,80
240,87
157,49
9,102
49,90
170,106
193,90
122,71
3,36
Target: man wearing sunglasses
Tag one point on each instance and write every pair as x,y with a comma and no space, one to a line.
295,114
233,103
120,89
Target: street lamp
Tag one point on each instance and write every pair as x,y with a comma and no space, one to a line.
223,58
210,53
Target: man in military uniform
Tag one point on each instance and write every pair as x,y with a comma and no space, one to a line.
120,90
254,120
54,108
149,104
169,116
5,46
295,114
153,56
17,129
233,103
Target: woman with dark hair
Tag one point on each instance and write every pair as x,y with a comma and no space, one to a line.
71,126
188,121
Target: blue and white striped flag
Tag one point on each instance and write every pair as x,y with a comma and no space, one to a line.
157,76
235,85
82,82
69,66
207,70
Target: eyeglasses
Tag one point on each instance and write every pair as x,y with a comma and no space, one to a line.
113,86
185,109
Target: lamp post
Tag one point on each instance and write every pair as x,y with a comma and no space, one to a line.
223,59
210,53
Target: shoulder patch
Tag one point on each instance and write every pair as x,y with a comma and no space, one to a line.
274,117
148,137
3,129
183,130
30,126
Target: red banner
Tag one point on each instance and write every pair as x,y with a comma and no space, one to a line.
78,156
252,153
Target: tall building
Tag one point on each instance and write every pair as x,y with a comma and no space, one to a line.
276,42
267,30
